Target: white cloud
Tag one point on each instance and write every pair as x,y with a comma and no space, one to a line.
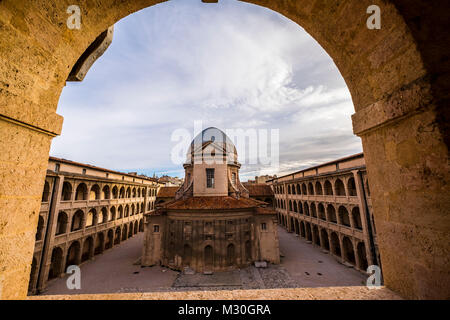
232,65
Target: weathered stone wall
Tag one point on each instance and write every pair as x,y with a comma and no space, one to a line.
398,77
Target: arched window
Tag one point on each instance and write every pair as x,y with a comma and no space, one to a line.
298,189
72,254
319,188
321,210
91,218
56,263
344,216
61,225
295,206
313,210
99,241
94,194
328,188
335,245
349,254
122,193
351,186
306,208
66,191
339,187
110,239
133,193
325,241
304,191
40,228
356,218
88,249
112,214
103,216
77,221
300,207
310,189
105,192
115,192
331,213
362,258
128,192
46,192
117,236
81,192
124,232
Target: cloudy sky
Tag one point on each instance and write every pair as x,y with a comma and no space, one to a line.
230,65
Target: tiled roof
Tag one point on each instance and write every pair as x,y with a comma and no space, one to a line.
265,211
213,202
167,192
260,189
79,164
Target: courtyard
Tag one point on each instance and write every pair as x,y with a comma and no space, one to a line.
118,271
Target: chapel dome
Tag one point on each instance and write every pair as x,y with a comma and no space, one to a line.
216,137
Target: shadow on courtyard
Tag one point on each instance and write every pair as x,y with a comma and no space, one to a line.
302,265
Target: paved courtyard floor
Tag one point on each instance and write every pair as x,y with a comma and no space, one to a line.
302,266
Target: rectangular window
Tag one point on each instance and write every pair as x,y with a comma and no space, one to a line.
263,226
155,228
84,171
57,167
210,178
233,178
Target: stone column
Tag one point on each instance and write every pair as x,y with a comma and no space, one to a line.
64,259
80,252
341,245
365,218
105,236
355,253
50,232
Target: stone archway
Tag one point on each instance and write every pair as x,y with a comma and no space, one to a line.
73,254
56,263
110,239
397,77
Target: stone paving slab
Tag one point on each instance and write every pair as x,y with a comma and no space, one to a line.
217,279
302,266
332,293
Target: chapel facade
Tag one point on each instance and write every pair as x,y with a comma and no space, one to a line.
212,224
